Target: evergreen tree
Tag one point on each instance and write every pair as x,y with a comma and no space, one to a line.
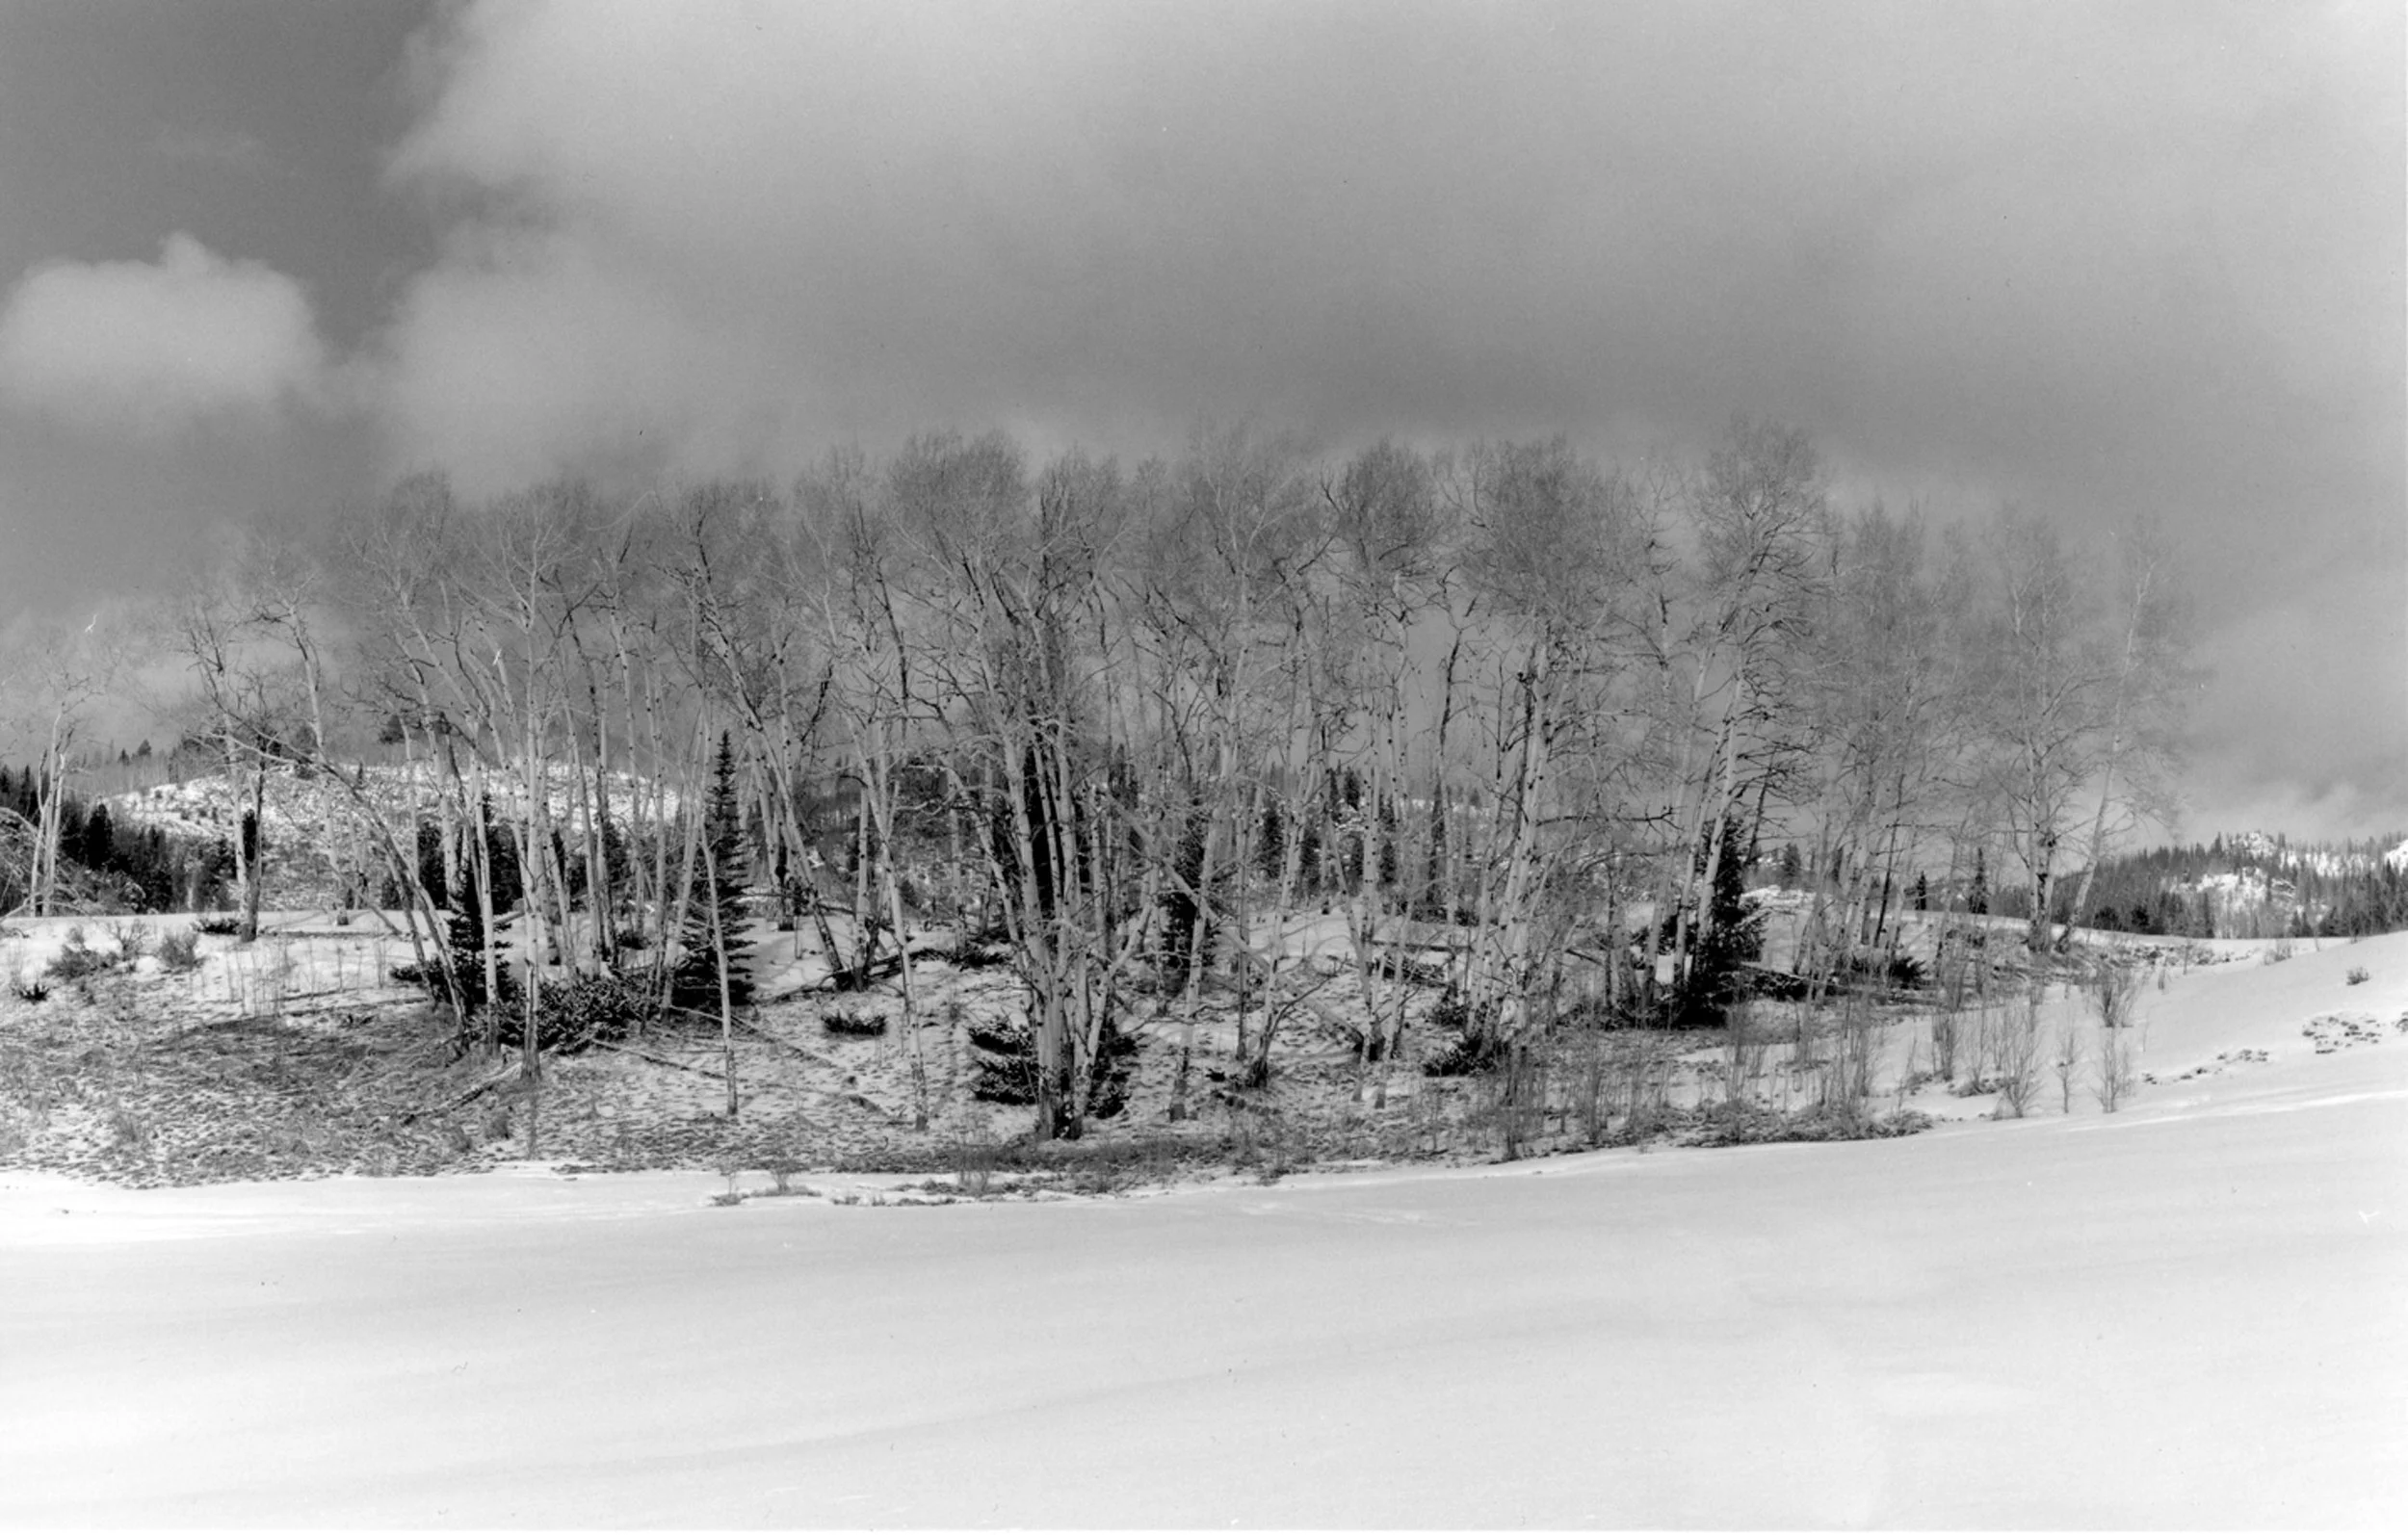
1977,896
1179,903
96,847
721,883
430,845
463,933
614,854
1732,939
501,850
1923,893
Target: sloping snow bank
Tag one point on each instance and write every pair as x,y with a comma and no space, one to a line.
2188,1314
2270,1005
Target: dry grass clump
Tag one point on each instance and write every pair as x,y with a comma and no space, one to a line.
180,952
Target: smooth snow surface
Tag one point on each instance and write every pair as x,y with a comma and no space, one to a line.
2193,1313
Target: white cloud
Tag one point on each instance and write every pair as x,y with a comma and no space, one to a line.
717,237
163,346
539,353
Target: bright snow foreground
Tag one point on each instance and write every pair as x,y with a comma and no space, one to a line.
2193,1313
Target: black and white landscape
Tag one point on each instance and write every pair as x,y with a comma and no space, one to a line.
1284,764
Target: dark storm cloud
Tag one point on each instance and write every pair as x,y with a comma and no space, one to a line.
2125,253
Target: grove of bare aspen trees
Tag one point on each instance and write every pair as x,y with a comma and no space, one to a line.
1509,706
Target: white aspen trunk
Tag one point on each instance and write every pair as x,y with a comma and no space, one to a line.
727,1002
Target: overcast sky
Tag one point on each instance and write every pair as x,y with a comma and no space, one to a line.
2095,260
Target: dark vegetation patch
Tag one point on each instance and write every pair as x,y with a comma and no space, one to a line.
853,1023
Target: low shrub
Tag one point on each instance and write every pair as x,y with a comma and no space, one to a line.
181,952
975,1154
219,926
971,952
1475,1047
2359,975
129,1134
76,960
1752,1124
861,1025
1007,1072
573,1014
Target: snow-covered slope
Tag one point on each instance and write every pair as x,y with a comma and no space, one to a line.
213,805
2188,1314
2274,1005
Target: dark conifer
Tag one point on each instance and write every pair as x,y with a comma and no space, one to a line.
720,883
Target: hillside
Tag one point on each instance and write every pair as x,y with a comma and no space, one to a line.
2254,885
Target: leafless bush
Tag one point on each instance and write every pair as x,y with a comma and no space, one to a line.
2115,1074
133,941
2114,990
1644,1084
781,1165
2067,1064
1909,1078
2018,1053
975,1155
1842,1075
1587,1064
180,952
1514,1098
1745,1046
1983,1051
1262,1140
1944,1039
2359,975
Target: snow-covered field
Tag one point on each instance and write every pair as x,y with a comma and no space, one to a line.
2190,1312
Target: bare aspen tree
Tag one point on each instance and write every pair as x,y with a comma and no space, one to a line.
2148,682
1881,717
1395,543
1759,525
1551,541
1228,552
1022,579
251,706
2039,686
59,675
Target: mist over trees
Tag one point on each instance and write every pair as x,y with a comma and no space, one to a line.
1130,723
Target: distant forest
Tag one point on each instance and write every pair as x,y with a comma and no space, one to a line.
2254,887
104,865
